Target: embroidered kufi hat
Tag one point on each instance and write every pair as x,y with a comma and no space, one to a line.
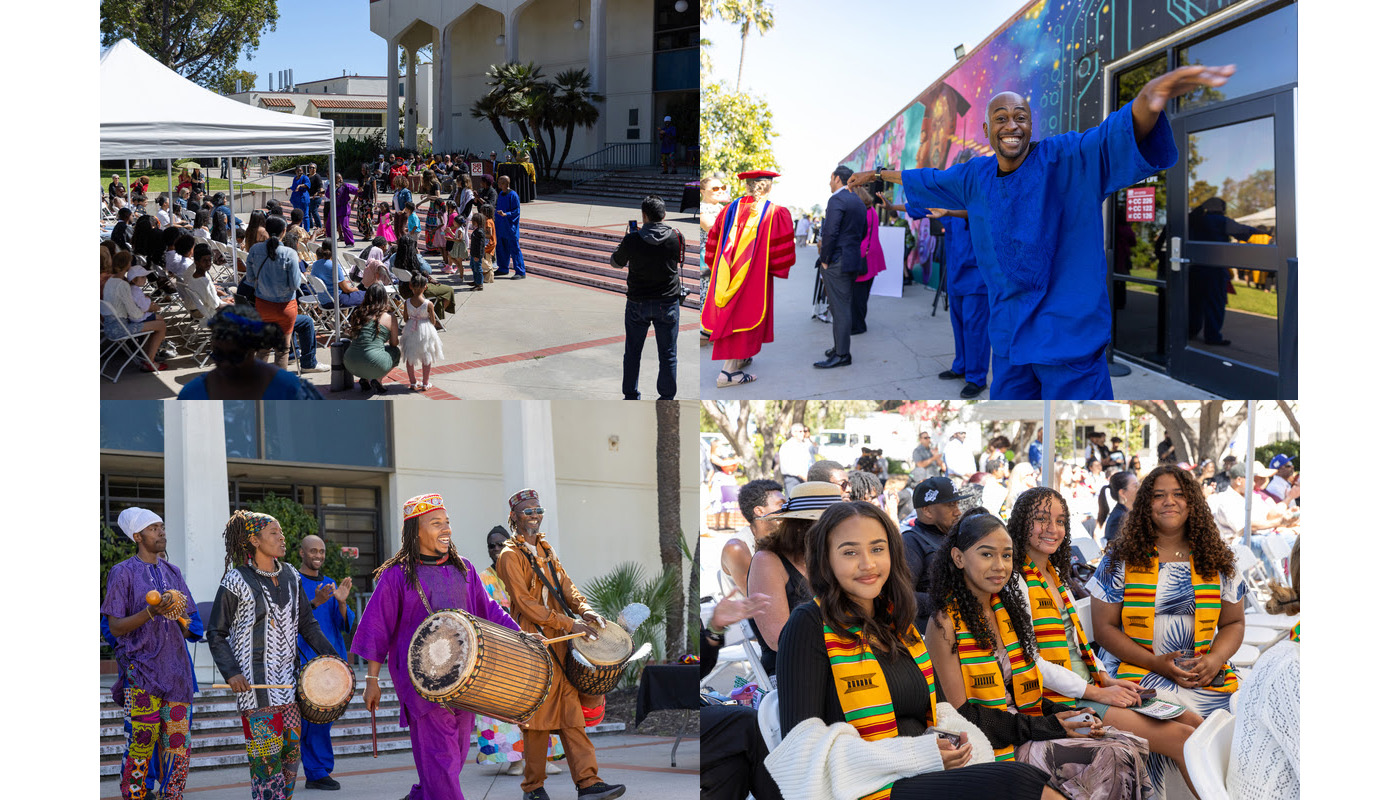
420,505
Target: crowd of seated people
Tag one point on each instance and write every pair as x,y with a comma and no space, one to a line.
967,619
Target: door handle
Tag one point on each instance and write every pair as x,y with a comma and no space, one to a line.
1176,259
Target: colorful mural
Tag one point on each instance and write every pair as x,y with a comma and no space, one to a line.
1050,52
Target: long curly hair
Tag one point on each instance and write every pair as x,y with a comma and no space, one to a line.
1028,505
238,551
408,556
1136,543
376,303
949,590
894,609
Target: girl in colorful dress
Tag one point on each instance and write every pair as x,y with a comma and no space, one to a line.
1167,599
984,650
421,343
858,633
384,226
457,252
434,229
1040,528
501,742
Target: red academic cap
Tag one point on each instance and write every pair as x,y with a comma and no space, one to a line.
757,173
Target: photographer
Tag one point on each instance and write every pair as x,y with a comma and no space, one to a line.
652,255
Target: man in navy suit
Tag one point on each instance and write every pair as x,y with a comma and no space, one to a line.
840,262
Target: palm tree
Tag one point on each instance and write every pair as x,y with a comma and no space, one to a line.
517,82
749,14
574,107
668,505
492,107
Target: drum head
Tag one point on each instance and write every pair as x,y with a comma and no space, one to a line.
327,681
613,646
442,654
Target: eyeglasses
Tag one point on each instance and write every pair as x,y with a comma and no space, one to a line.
532,512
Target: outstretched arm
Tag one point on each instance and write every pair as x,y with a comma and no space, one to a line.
1153,97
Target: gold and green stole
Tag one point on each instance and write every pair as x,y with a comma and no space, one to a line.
981,674
1050,627
1293,634
1140,617
865,694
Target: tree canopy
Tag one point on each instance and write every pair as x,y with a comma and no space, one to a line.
736,132
200,39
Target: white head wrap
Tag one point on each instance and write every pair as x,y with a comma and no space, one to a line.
134,520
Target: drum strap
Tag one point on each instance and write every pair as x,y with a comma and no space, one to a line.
424,597
555,588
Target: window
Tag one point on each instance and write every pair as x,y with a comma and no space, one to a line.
297,432
132,425
355,119
1265,49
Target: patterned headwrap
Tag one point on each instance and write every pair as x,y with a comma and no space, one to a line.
420,505
253,522
525,498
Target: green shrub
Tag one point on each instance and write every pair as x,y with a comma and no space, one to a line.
1288,447
628,584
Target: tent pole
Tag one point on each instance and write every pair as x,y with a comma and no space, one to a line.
331,228
170,188
1047,447
1249,479
128,181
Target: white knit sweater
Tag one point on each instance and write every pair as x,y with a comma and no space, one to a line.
816,761
1265,752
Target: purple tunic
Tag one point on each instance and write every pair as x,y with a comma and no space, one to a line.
395,611
160,664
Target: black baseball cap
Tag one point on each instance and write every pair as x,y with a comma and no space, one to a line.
938,490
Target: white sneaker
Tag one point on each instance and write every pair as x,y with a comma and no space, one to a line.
551,768
317,368
516,768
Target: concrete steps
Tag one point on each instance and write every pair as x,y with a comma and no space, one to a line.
584,257
631,187
216,730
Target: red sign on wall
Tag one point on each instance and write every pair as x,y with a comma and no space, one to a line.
350,552
1142,204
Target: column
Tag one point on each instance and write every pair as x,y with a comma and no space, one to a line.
527,439
410,100
512,33
442,85
391,113
196,501
598,62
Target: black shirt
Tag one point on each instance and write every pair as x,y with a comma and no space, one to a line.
921,543
1114,522
652,255
797,592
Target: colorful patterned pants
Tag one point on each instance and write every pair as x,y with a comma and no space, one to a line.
274,750
152,721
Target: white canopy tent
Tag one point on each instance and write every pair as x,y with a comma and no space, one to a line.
150,111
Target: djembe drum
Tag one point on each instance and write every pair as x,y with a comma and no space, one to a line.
603,660
462,661
325,686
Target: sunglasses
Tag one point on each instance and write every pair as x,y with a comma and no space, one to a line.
532,512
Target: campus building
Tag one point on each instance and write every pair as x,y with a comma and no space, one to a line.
1076,62
594,464
357,104
643,55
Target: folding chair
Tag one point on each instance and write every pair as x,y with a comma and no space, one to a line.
1088,549
123,350
1207,755
319,287
769,723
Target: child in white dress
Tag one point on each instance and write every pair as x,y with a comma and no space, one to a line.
420,340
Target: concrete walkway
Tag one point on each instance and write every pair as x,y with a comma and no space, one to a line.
532,338
899,357
642,763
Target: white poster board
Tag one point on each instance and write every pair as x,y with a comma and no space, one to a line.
890,283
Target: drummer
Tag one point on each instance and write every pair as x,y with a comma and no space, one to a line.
544,600
333,612
258,605
425,574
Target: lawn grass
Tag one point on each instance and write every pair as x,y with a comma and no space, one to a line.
1246,298
158,182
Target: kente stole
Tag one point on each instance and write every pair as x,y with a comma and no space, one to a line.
865,694
981,674
736,249
1293,634
1050,627
1140,618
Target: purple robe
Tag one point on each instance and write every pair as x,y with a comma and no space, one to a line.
158,661
395,611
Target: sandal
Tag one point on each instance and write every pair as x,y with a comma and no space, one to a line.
745,363
427,386
729,380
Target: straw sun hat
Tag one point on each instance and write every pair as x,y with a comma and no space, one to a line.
809,500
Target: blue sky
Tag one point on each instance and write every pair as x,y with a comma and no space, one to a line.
833,71
317,39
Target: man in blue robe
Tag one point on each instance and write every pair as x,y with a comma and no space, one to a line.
332,611
1037,229
508,231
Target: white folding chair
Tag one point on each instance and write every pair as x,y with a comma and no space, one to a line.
769,723
1256,580
1207,755
1245,656
1088,548
319,287
123,350
1276,554
1084,608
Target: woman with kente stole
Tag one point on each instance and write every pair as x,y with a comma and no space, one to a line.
856,684
984,650
1167,599
1039,529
